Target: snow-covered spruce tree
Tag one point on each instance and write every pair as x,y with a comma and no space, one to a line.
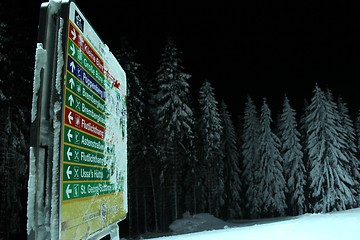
16,56
331,181
238,132
190,179
200,171
13,168
210,152
251,158
4,58
4,39
139,144
291,152
357,132
357,142
303,141
14,131
173,128
272,184
232,180
351,150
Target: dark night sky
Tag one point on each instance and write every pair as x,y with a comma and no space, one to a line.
260,48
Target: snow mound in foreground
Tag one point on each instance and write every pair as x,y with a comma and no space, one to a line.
195,223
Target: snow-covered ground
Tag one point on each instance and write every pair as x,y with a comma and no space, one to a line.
342,225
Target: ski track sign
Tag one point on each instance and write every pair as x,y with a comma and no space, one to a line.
89,168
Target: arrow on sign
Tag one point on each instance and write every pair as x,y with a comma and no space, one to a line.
72,48
73,32
69,135
68,191
70,118
68,172
71,100
71,81
69,154
72,65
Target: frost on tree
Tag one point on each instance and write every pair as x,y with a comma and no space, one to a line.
291,151
211,155
332,183
270,183
174,121
251,156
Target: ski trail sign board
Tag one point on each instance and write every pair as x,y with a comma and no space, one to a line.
79,115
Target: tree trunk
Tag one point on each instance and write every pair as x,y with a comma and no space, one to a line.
175,199
154,199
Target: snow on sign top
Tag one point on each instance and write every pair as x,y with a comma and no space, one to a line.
94,145
78,147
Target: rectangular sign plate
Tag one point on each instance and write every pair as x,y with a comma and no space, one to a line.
94,141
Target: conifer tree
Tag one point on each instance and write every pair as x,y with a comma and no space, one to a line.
210,152
231,167
351,150
4,58
15,92
272,184
357,143
331,182
291,152
173,127
251,157
303,140
357,132
138,141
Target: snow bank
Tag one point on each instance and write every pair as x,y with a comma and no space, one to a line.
195,223
342,225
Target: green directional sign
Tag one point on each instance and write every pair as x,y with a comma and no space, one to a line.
78,154
82,139
82,106
75,172
86,64
89,189
73,84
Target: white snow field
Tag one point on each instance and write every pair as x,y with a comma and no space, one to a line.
342,225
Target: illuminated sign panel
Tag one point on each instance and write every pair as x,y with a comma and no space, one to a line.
77,186
94,141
